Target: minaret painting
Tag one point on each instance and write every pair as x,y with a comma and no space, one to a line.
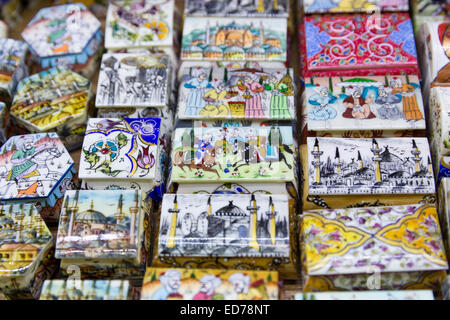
416,153
430,166
316,162
361,164
133,212
73,212
119,213
377,159
173,223
338,160
253,222
272,221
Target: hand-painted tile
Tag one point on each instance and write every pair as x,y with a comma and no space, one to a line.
364,103
368,295
342,166
85,290
209,284
221,8
345,6
236,94
439,107
234,39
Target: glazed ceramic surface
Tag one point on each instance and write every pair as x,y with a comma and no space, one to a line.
4,116
209,284
345,6
340,166
440,122
234,39
13,67
259,8
224,225
236,94
368,295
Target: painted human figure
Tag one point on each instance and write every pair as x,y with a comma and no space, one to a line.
216,103
357,106
204,146
208,285
388,102
112,86
171,281
197,86
321,109
279,108
411,109
252,94
242,287
131,93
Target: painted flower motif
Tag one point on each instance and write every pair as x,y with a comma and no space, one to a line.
106,148
335,236
144,159
411,235
159,28
199,173
315,231
235,174
361,263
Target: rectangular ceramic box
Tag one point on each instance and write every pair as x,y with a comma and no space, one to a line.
85,290
209,284
387,248
342,6
227,93
368,295
55,100
104,233
221,8
36,169
234,39
26,251
65,35
384,171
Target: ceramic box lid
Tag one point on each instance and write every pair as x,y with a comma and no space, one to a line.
203,225
85,290
341,166
230,154
368,295
234,39
342,6
138,24
209,284
133,80
12,63
260,8
340,42
51,98
365,240
120,148
99,224
32,166
223,93
61,30
24,237
364,103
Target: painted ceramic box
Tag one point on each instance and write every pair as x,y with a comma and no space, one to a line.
133,80
85,290
367,248
444,168
26,251
209,284
341,172
104,234
13,59
36,169
123,154
214,93
221,8
54,100
368,295
66,35
234,39
357,44
343,6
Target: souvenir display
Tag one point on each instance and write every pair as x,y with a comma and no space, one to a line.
26,251
124,154
65,36
343,6
234,39
368,295
429,10
355,45
4,122
209,284
236,94
85,290
37,169
133,80
105,233
342,172
387,248
55,100
13,68
221,8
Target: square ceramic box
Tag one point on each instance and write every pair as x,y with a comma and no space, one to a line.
387,248
123,154
37,169
221,8
26,251
209,94
85,290
134,80
368,295
342,172
13,68
342,6
103,234
234,39
56,100
66,35
209,284
356,44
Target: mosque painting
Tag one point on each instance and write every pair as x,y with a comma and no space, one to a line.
340,166
99,224
224,225
85,290
259,8
234,39
361,103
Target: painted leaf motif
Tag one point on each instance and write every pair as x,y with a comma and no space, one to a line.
122,140
91,158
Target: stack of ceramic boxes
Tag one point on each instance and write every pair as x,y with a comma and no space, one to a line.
366,163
